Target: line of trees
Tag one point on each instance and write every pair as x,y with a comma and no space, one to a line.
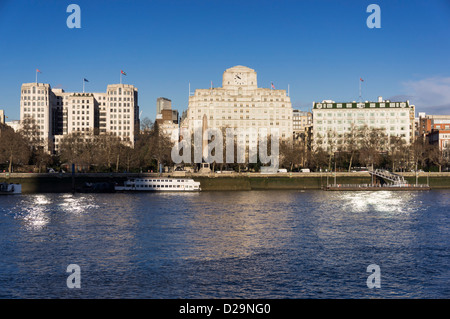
372,147
92,152
25,151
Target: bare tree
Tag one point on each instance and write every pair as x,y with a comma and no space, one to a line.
292,153
14,148
438,156
160,145
397,151
373,143
71,148
352,144
146,124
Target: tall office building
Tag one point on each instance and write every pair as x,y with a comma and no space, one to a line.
122,111
2,116
57,113
36,102
239,103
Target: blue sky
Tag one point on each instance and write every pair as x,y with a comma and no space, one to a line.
319,48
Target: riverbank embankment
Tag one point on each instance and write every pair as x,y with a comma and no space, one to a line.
66,183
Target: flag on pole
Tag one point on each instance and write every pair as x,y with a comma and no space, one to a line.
361,79
121,71
273,87
37,71
85,80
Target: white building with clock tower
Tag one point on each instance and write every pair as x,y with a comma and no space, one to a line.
239,103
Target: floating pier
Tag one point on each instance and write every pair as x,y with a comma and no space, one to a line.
382,180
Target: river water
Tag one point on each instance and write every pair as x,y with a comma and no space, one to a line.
249,244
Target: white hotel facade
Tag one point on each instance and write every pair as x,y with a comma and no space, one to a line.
337,119
58,113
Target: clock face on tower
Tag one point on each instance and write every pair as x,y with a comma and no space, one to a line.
239,78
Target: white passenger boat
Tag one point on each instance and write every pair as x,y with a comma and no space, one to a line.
159,184
9,189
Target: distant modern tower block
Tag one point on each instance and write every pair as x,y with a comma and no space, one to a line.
163,103
168,121
2,117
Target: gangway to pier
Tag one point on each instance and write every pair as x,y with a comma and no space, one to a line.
395,178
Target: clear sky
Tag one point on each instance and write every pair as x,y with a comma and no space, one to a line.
319,48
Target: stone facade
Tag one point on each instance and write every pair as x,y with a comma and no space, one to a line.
58,113
239,103
337,119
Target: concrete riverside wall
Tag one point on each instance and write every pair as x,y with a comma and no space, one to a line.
62,183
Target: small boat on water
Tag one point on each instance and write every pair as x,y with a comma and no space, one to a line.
164,184
10,189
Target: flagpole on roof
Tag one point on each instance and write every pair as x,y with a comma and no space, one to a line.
360,96
83,85
37,71
359,89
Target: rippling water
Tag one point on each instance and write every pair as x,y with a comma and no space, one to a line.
252,244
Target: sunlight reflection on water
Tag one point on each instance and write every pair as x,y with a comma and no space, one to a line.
255,244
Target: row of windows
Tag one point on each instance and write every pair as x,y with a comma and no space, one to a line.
247,117
120,99
160,180
383,121
29,109
227,93
349,105
341,128
82,129
162,186
235,99
82,101
220,105
319,140
81,118
119,92
120,122
34,91
119,129
119,116
34,103
120,110
359,114
33,98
